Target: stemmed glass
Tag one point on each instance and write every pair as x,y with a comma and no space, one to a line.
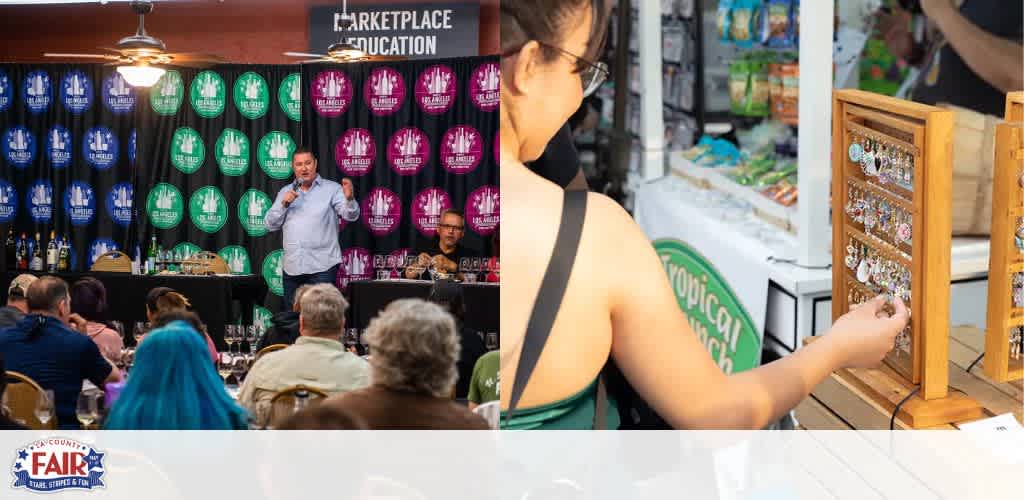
475,267
250,338
229,336
491,340
44,406
87,409
224,367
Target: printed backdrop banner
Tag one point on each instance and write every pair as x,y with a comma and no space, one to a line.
68,149
217,149
416,138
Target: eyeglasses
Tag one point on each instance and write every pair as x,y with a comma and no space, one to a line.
592,75
451,227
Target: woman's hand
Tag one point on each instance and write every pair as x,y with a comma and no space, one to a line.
866,334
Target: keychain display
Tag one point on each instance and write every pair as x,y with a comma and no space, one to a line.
881,217
882,162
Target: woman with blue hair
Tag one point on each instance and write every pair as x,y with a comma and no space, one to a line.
174,387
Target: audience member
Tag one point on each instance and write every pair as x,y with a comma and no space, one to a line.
323,418
284,326
89,300
6,424
16,305
173,387
318,359
162,300
43,347
448,294
484,384
412,372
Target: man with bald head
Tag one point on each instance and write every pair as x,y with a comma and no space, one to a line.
50,345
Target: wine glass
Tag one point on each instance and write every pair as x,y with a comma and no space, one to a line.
224,367
87,410
491,340
229,336
139,331
44,406
250,338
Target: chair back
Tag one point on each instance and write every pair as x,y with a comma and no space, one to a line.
270,348
282,405
21,396
491,412
207,263
113,261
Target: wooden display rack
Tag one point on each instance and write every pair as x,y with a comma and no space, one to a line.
925,132
1005,260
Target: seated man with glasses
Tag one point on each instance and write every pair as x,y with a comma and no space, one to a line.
444,252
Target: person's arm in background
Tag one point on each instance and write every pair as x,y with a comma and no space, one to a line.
998,61
344,202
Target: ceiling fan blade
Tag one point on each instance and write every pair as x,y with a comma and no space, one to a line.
320,60
385,58
195,56
85,56
303,54
111,49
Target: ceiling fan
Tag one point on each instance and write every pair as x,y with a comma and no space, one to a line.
343,52
139,57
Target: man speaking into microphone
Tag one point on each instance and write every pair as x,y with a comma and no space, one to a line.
308,211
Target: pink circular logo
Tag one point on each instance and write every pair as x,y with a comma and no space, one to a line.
355,266
461,149
332,93
427,208
408,151
483,209
485,87
355,151
435,89
382,211
384,91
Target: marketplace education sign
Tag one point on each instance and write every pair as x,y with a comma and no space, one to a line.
413,31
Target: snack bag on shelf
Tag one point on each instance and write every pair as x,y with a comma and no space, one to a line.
739,86
744,22
777,29
789,111
760,90
724,20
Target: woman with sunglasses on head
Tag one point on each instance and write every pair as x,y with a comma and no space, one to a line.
563,315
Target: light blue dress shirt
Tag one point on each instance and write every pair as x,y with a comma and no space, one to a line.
310,226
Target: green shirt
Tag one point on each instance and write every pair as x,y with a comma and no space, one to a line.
483,386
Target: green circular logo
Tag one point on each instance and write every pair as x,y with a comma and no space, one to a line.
290,96
272,272
207,94
275,154
165,97
164,205
208,209
187,150
186,249
232,152
261,316
713,310
237,259
252,97
252,209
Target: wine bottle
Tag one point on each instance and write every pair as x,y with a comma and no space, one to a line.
64,254
11,250
36,264
51,253
22,253
151,257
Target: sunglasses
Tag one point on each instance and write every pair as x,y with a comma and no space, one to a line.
592,74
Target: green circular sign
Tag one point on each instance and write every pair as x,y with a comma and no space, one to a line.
252,209
166,95
261,316
237,258
272,272
164,206
187,150
208,94
275,154
289,95
713,310
186,249
232,152
208,209
252,97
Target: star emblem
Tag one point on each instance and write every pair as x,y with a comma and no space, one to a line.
17,466
22,454
94,459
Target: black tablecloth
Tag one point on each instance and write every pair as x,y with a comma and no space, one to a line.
367,298
218,300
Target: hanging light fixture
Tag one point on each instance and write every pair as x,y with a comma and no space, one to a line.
141,75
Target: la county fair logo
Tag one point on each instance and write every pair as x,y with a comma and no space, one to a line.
57,464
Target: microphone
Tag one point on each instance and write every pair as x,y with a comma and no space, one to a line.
295,189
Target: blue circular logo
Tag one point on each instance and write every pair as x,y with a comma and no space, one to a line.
131,147
100,147
119,203
8,201
40,200
37,91
58,146
118,96
6,93
19,146
80,203
76,91
99,247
